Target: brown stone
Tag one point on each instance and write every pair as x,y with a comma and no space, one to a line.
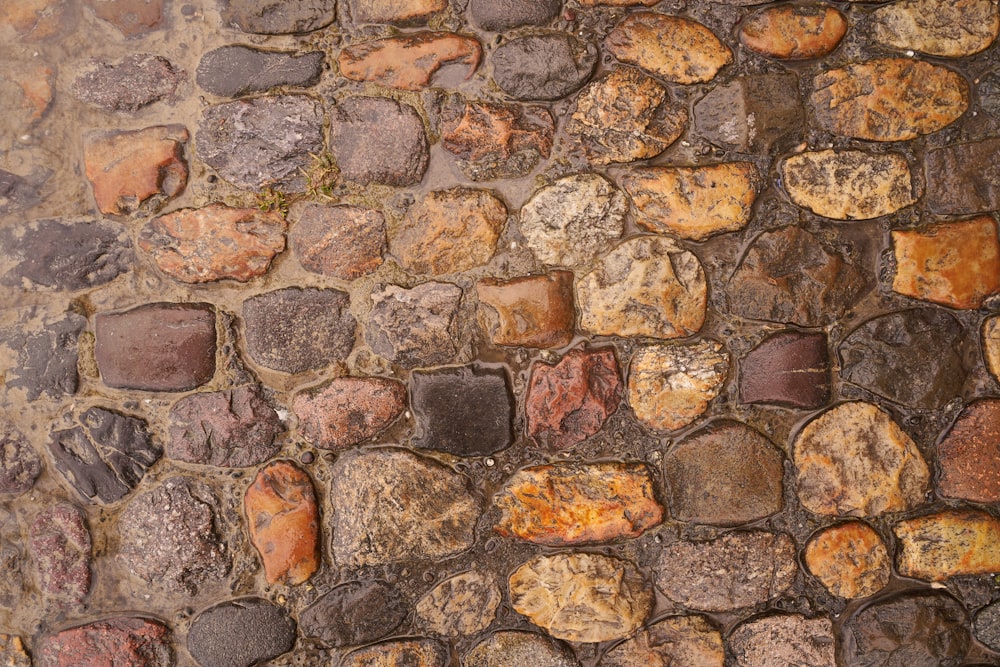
789,368
36,20
417,327
61,551
963,179
462,605
347,411
517,647
129,169
794,32
616,3
399,653
531,311
378,140
694,202
669,386
752,113
215,242
991,344
355,613
950,28
955,264
131,17
948,544
123,640
408,62
546,65
888,99
786,639
25,95
849,559
344,242
672,48
283,520
969,454
395,11
566,504
677,640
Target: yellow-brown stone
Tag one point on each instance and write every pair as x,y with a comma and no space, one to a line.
991,344
794,32
35,20
395,11
849,559
949,544
532,311
670,386
949,28
670,47
461,605
408,62
677,640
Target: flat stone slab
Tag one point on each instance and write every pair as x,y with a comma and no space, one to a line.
347,411
530,311
462,605
236,70
672,48
44,351
969,454
408,62
416,327
279,17
355,613
378,140
683,640
128,640
240,633
936,27
849,559
345,242
543,66
794,32
670,386
788,368
128,85
948,544
283,519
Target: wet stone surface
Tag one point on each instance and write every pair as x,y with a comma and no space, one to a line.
61,545
234,71
794,32
686,640
240,633
531,311
354,613
544,66
20,464
788,368
143,642
129,85
753,112
416,327
938,546
277,18
415,652
502,15
672,48
45,348
408,62
460,606
348,411
963,178
509,647
950,29
345,242
849,559
968,455
784,640
378,140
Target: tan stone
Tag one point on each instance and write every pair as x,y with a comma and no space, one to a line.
581,597
969,454
853,460
949,544
991,344
395,11
849,559
616,3
493,141
408,62
35,20
399,653
950,28
461,605
888,99
677,640
694,202
670,386
784,639
131,17
849,185
532,311
794,32
673,48
25,96
955,264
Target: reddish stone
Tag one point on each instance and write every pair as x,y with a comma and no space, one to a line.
969,454
137,642
345,242
410,61
27,93
788,368
36,20
347,411
532,311
395,11
60,547
794,32
131,17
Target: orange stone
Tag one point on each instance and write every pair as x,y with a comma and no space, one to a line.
849,559
670,47
794,32
26,91
36,20
408,62
533,311
948,544
395,11
131,17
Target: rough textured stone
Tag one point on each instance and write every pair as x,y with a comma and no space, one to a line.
670,386
38,20
569,401
788,368
616,3
358,612
963,179
20,464
849,559
531,311
751,113
391,505
516,647
345,242
581,597
789,639
395,11
543,66
378,140
672,48
969,454
279,17
567,503
12,653
465,411
502,15
987,626
794,32
737,570
26,90
128,85
236,70
347,411
400,653
240,633
283,519
625,116
416,327
61,551
124,640
130,170
677,640
950,28
646,286
156,346
939,546
45,349
21,192
299,329
461,605
408,62
991,344
133,18
853,460
888,99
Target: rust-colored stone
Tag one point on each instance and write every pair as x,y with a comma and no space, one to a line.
948,544
969,454
345,242
950,28
408,62
395,11
531,311
670,47
131,17
788,368
849,559
794,32
347,411
26,94
123,640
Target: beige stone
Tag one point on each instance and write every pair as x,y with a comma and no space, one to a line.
673,48
950,28
461,605
408,62
677,640
849,559
991,344
794,32
949,544
670,386
784,639
532,311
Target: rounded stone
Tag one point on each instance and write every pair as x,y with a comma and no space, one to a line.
543,66
345,242
794,32
676,640
240,633
670,386
416,327
516,647
991,344
502,15
279,17
849,559
355,613
948,28
408,62
235,70
461,605
347,411
790,639
672,48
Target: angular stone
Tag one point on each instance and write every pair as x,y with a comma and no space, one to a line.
987,626
912,357
344,242
128,85
465,411
672,48
240,633
502,15
106,456
849,185
395,11
390,505
416,327
20,193
61,550
566,504
12,653
130,170
581,597
969,454
677,640
156,346
125,640
531,311
694,202
64,255
947,544
789,275
625,116
20,464
794,32
788,639
543,66
133,18
647,286
725,475
737,570
888,99
279,17
963,179
853,460
236,70
670,386
516,647
991,344
788,368
37,20
950,28
347,411
955,264
408,62
294,330
378,140
849,559
262,142
449,231
45,349
283,519
751,113
570,401
26,91
461,605
400,653
358,612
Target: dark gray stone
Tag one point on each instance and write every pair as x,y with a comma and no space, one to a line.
500,15
987,625
232,71
47,356
20,464
240,633
128,85
416,327
751,113
355,613
964,178
19,193
378,140
545,66
279,17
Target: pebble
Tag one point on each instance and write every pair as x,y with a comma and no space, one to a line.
240,633
888,99
44,353
133,18
20,464
948,28
449,231
676,640
948,544
543,66
378,140
986,627
736,570
647,286
725,474
530,311
391,505
955,264
786,639
503,15
849,559
345,242
128,85
671,48
991,344
625,116
283,520
408,62
794,32
12,652
459,606
130,171
214,242
516,647
969,454
416,327
39,20
400,653
235,70
848,184
156,346
294,329
570,401
564,504
61,551
358,612
854,460
347,411
125,640
581,597
395,11
279,17
790,368
962,179
464,410
694,202
751,113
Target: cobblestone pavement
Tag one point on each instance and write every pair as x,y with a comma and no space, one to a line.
499,332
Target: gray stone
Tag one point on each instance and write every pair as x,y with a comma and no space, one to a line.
987,625
516,647
240,633
963,179
460,606
358,612
545,66
19,193
20,464
501,15
61,551
418,326
751,113
233,71
46,353
279,17
378,140
128,85
789,639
